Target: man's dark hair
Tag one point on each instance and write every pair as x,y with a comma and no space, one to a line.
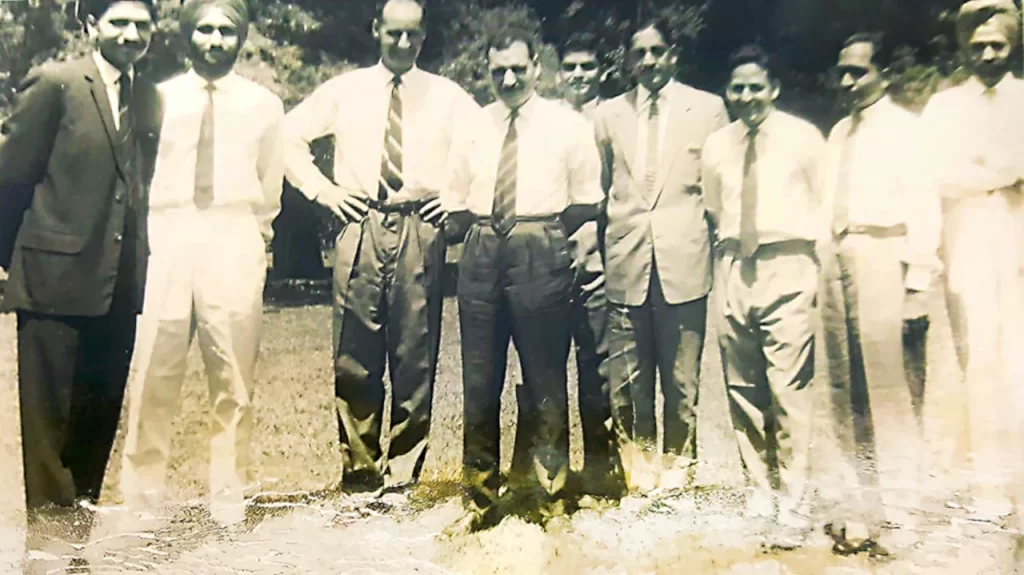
96,8
876,41
753,54
658,24
580,42
504,39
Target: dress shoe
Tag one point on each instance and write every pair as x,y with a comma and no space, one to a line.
472,521
361,481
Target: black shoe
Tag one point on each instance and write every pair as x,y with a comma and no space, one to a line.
361,481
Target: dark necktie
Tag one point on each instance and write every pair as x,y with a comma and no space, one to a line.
653,134
748,198
841,209
126,132
391,160
204,155
503,211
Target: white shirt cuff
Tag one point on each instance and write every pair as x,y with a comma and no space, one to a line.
919,278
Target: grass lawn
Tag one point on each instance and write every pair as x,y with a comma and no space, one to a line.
295,448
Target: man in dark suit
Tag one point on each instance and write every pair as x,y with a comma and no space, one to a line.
85,139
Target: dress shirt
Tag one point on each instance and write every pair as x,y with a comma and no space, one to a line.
643,117
110,76
890,182
438,120
975,136
248,146
790,154
558,163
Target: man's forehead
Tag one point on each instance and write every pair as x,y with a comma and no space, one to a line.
989,32
649,37
127,10
579,56
857,54
516,54
215,16
402,15
749,74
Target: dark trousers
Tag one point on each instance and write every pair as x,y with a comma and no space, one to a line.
387,311
602,469
667,339
71,377
517,288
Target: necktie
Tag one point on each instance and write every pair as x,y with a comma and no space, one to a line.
841,208
124,99
126,132
503,211
653,133
390,180
748,198
204,155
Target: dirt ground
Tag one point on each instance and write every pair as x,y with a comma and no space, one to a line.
295,450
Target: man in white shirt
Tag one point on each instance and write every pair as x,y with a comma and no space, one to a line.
882,219
658,258
531,179
974,130
397,133
216,190
761,178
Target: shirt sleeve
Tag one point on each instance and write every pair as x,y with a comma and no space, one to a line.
468,118
27,136
924,214
584,166
270,168
711,182
312,119
814,149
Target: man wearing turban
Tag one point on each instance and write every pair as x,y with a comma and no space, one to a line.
216,191
978,151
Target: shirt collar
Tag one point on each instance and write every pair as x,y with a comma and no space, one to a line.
218,84
387,76
108,72
643,96
980,88
523,112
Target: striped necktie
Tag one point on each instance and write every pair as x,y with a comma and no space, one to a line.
503,210
390,180
203,194
653,134
748,198
841,209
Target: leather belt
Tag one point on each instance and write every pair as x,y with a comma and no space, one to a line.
544,218
784,247
896,231
406,208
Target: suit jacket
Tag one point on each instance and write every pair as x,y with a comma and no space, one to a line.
61,140
667,225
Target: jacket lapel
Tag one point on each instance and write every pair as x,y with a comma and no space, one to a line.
99,97
679,108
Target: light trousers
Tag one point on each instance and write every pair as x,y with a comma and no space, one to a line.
981,245
872,400
206,277
766,335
